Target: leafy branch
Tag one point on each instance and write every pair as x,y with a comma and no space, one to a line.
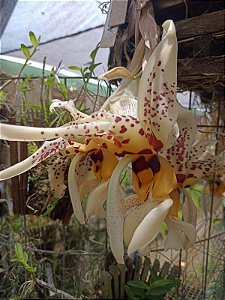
28,54
22,258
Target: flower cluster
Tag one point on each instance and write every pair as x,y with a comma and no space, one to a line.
140,126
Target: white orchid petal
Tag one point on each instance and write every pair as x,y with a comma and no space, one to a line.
73,188
45,151
100,213
135,217
68,105
96,199
114,210
25,133
56,175
178,154
148,229
157,105
189,209
179,234
116,73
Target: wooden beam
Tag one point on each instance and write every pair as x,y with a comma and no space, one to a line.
201,65
6,8
165,4
200,25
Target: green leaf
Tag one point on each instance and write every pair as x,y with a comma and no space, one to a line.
63,90
25,50
25,257
19,251
75,68
49,81
92,67
32,148
129,292
154,276
196,197
94,52
162,286
138,284
33,39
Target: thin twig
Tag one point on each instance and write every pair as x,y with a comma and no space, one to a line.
54,289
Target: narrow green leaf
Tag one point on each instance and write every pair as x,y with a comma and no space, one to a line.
25,50
33,39
138,284
75,68
49,81
94,52
93,67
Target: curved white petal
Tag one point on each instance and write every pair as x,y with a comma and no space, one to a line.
68,105
148,229
189,210
73,188
56,174
157,105
45,151
180,234
116,73
96,199
25,133
114,210
135,217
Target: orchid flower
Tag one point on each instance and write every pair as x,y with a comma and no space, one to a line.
95,142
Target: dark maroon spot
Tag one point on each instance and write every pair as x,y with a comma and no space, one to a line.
123,129
154,164
104,145
180,178
159,63
97,156
118,119
125,141
141,131
154,142
42,132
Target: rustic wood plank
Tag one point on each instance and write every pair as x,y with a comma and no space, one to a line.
137,268
201,65
200,25
165,269
145,270
107,286
122,269
174,273
115,276
118,12
130,267
165,4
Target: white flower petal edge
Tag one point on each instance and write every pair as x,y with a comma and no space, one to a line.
115,211
46,150
74,189
68,105
180,234
135,217
26,133
96,199
150,226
